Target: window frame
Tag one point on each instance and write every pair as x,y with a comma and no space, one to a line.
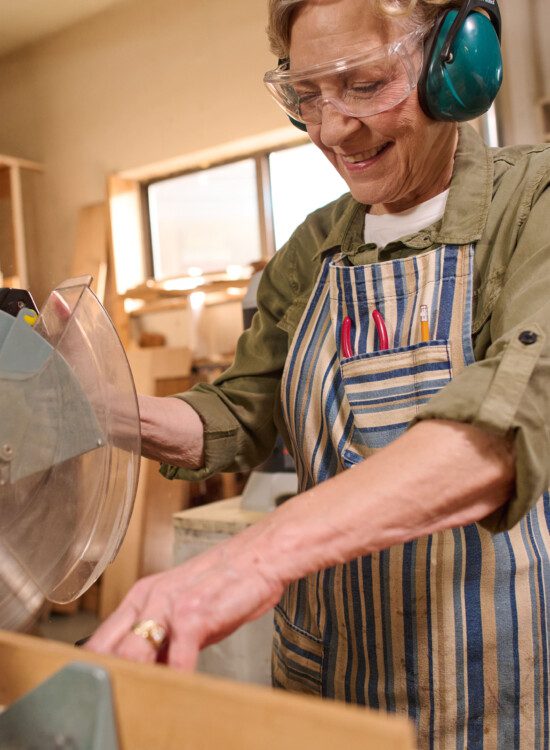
263,196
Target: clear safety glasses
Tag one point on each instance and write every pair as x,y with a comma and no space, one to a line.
360,85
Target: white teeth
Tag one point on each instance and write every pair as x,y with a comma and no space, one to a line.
364,155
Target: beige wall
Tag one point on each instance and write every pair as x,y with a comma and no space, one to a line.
526,53
152,79
142,82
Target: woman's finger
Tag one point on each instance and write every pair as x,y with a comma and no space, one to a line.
113,630
183,651
61,308
138,646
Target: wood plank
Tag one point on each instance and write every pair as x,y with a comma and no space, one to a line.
18,226
8,264
92,247
13,161
224,517
161,708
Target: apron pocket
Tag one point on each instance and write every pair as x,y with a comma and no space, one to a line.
386,389
297,659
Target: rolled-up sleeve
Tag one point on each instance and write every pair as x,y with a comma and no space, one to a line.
237,409
508,390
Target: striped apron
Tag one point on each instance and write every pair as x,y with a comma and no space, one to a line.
450,629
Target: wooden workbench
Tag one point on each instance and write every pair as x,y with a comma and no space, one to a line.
158,708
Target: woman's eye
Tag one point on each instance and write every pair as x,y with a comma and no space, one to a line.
366,89
306,96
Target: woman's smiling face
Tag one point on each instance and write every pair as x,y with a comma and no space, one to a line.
392,160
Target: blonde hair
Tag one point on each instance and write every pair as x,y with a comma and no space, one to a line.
413,12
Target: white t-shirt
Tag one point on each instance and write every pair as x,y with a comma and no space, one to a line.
388,227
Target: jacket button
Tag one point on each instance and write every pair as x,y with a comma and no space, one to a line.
527,337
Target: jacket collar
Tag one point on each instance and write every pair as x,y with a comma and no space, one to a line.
470,195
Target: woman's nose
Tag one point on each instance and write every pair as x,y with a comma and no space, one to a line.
336,126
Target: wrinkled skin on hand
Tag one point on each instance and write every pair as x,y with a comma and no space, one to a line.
198,603
470,471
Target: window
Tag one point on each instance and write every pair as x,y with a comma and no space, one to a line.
302,180
205,221
233,214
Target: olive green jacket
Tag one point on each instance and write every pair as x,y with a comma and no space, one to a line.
498,199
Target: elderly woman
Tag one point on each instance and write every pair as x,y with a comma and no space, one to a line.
401,349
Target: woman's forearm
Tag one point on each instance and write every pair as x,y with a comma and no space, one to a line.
171,431
438,475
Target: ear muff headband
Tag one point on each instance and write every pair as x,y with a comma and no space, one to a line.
462,69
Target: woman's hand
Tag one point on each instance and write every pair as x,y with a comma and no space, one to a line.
197,603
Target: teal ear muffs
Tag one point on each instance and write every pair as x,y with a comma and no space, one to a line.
462,70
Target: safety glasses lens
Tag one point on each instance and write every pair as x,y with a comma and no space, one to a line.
363,91
357,88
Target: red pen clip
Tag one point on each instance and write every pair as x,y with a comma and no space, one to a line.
380,324
347,349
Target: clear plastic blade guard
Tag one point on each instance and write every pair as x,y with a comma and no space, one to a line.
69,448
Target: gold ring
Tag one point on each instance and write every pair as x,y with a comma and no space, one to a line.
152,631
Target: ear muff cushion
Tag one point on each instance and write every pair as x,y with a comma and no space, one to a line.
298,124
467,86
429,46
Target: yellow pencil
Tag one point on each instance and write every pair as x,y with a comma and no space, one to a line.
424,324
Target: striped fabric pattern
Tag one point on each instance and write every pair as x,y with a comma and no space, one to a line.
385,391
452,629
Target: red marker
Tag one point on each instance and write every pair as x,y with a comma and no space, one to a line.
347,349
380,324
